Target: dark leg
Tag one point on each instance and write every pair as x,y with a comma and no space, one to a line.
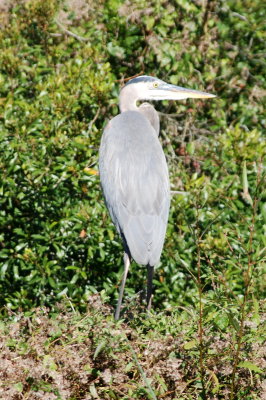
122,286
150,271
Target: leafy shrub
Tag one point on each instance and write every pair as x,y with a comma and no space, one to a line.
59,71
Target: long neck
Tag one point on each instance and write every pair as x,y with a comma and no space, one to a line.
128,99
128,102
151,114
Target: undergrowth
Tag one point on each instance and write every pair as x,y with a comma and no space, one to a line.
68,355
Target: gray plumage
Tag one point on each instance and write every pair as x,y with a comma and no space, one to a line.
134,173
134,178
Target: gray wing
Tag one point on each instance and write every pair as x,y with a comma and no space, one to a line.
134,178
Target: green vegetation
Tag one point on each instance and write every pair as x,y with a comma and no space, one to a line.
61,66
66,355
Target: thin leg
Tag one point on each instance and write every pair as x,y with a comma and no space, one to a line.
122,286
150,271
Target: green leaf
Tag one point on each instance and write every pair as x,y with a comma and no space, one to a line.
191,344
116,51
99,348
251,366
18,386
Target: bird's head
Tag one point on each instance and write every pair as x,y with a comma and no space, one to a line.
150,88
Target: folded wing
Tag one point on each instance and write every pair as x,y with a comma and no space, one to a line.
135,182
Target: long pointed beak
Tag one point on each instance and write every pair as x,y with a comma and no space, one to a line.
172,92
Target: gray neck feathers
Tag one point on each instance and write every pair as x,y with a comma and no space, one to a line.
151,114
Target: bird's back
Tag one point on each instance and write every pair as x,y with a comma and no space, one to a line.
134,178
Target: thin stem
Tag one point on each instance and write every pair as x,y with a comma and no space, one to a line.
69,33
247,281
201,344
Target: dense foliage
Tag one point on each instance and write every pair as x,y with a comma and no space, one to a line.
57,91
61,66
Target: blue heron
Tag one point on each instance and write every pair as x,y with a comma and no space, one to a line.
134,173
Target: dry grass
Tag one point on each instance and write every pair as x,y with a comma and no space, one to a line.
71,356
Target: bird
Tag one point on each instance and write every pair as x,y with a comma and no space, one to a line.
134,174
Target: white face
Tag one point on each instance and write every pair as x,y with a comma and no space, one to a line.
160,90
146,88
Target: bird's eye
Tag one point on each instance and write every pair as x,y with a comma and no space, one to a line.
155,84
